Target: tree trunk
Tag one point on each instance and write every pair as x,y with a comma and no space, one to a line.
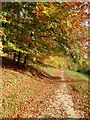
14,57
25,61
19,55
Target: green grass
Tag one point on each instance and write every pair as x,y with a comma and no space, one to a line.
48,70
77,75
81,79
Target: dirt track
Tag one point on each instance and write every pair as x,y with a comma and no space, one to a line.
54,101
52,97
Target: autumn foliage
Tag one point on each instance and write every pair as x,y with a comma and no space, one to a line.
57,27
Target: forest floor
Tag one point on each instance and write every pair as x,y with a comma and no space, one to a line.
33,93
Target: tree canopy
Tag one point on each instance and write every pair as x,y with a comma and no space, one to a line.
41,29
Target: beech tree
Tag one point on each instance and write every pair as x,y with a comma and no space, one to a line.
45,28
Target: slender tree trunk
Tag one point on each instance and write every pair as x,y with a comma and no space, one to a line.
19,55
25,61
69,67
14,57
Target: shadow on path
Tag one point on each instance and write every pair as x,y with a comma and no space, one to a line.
9,63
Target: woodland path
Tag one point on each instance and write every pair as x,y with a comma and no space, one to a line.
53,101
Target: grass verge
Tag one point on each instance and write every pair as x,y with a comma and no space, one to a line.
77,75
81,80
